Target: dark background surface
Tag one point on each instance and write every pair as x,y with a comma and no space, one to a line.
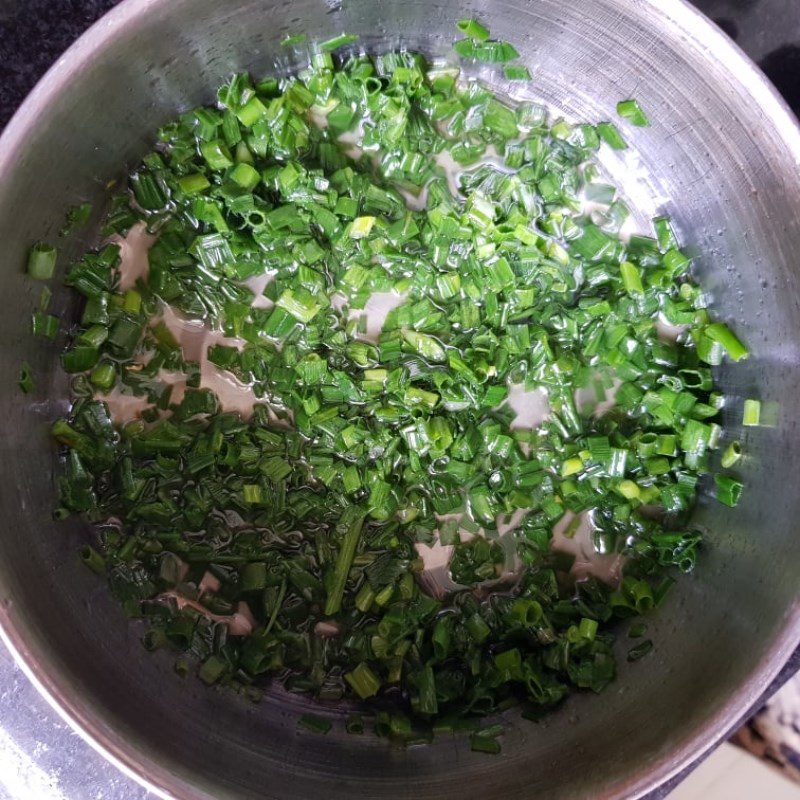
33,33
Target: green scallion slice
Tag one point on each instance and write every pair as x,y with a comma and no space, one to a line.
42,261
473,29
751,416
631,111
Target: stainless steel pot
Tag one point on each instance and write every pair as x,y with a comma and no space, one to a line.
721,157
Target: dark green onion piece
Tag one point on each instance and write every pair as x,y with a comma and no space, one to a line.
104,375
344,560
365,445
45,325
491,731
212,670
354,725
729,490
637,630
77,217
640,650
721,333
315,724
363,681
93,559
26,382
484,744
490,52
182,667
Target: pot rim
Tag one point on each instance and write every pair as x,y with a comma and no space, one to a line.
88,720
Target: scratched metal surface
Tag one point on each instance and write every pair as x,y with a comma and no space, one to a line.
41,758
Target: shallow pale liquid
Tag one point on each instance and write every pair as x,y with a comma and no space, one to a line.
376,309
257,284
586,399
606,567
532,408
589,562
240,623
452,169
435,577
133,249
124,407
194,337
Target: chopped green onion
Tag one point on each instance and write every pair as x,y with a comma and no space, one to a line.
729,490
193,183
489,52
315,724
751,416
610,134
42,262
216,154
338,41
665,235
77,217
295,520
732,454
637,630
252,494
363,681
484,744
354,725
212,670
361,227
45,325
26,382
631,111
92,559
301,304
347,551
721,333
516,72
245,176
676,262
588,628
104,376
45,298
473,29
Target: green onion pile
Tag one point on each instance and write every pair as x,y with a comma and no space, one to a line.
286,545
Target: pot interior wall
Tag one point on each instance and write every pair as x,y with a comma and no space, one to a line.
720,157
